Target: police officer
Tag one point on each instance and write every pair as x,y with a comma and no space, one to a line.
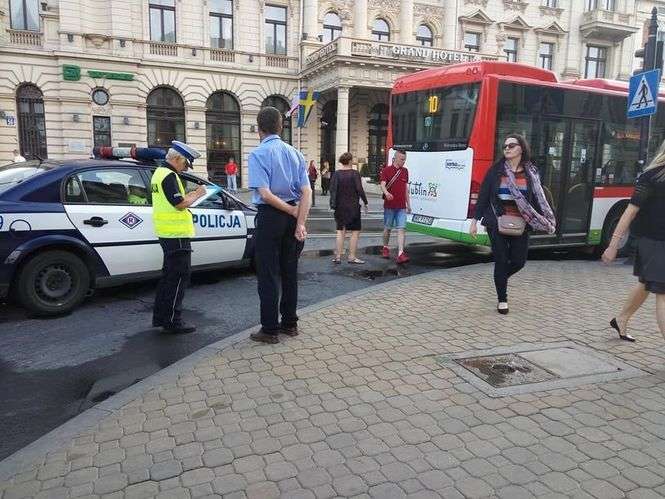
174,228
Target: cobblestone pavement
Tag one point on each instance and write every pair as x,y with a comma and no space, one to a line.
358,406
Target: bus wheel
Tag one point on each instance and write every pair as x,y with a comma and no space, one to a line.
53,282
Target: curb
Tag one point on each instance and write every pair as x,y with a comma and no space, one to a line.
62,435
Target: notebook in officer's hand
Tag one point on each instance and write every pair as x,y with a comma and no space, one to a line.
211,190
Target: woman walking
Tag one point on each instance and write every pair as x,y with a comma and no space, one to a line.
646,214
346,191
325,178
511,203
312,174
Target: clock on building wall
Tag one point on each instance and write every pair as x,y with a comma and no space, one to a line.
100,96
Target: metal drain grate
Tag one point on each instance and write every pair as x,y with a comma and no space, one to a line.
536,367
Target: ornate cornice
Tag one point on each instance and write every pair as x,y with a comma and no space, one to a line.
387,6
427,10
518,5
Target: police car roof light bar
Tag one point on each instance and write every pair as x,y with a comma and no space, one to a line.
138,153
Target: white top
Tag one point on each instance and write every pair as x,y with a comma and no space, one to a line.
19,159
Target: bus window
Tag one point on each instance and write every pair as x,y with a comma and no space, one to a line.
620,148
436,120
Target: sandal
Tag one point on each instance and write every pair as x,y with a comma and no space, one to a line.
357,261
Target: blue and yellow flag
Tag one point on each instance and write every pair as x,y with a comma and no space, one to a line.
307,100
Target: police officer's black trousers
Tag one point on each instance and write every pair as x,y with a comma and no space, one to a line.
277,253
175,278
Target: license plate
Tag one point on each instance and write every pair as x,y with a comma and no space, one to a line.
423,219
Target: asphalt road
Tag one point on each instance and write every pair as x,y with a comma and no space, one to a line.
53,369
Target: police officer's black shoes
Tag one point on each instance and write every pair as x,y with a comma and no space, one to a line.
178,328
264,337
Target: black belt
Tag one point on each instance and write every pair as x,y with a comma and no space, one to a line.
267,206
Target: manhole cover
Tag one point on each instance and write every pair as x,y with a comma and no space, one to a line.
537,367
505,370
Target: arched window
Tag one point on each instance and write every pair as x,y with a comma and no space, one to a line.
381,31
166,117
332,27
283,106
424,36
378,130
31,122
222,135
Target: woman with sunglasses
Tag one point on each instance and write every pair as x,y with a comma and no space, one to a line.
510,204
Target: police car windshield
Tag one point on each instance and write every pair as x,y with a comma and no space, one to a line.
16,173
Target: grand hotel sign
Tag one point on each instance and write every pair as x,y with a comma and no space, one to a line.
387,51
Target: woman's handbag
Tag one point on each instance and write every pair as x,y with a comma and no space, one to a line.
510,225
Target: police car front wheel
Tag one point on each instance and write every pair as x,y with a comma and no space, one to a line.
53,282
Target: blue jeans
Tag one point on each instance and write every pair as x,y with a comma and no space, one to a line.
231,183
394,218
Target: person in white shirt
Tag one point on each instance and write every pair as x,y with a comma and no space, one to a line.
17,156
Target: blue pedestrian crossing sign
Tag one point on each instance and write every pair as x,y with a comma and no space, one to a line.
643,94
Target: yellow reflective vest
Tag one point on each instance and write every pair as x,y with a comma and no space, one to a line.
169,221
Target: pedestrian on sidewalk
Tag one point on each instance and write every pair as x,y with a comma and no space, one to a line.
346,191
396,204
325,178
645,218
231,170
283,196
313,175
510,203
174,227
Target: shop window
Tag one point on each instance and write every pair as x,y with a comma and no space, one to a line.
222,135
166,117
282,105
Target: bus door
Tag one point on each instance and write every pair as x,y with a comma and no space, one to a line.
567,157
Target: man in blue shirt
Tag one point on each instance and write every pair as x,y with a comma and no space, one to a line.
283,196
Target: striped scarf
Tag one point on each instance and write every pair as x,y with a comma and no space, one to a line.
545,222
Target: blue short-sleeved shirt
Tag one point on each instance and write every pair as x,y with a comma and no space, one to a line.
278,166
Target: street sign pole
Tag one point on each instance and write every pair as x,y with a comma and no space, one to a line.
650,62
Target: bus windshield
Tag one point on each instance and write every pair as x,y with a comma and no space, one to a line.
437,119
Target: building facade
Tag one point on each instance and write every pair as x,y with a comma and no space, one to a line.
80,73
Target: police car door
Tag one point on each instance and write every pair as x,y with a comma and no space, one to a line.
110,207
221,229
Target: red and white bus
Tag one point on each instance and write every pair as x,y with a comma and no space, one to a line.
452,121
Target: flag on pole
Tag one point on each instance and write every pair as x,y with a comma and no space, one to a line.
295,104
307,100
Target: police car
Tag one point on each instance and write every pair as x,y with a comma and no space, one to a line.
68,227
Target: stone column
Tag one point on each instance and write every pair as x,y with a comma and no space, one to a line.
360,19
311,21
342,133
406,21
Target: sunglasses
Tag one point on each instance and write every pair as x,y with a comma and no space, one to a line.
511,145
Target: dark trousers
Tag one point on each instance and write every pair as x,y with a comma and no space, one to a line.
175,278
312,183
325,185
510,254
277,253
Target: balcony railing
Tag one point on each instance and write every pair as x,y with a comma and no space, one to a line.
20,37
607,16
220,55
607,24
277,61
167,49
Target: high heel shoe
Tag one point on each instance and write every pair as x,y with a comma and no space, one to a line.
625,337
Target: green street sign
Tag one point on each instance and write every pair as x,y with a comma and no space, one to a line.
71,72
110,75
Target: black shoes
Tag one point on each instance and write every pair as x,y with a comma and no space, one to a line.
625,337
175,328
263,337
289,330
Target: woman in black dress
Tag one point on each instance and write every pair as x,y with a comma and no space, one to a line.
644,216
346,190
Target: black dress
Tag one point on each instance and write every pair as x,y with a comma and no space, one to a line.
649,229
346,190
